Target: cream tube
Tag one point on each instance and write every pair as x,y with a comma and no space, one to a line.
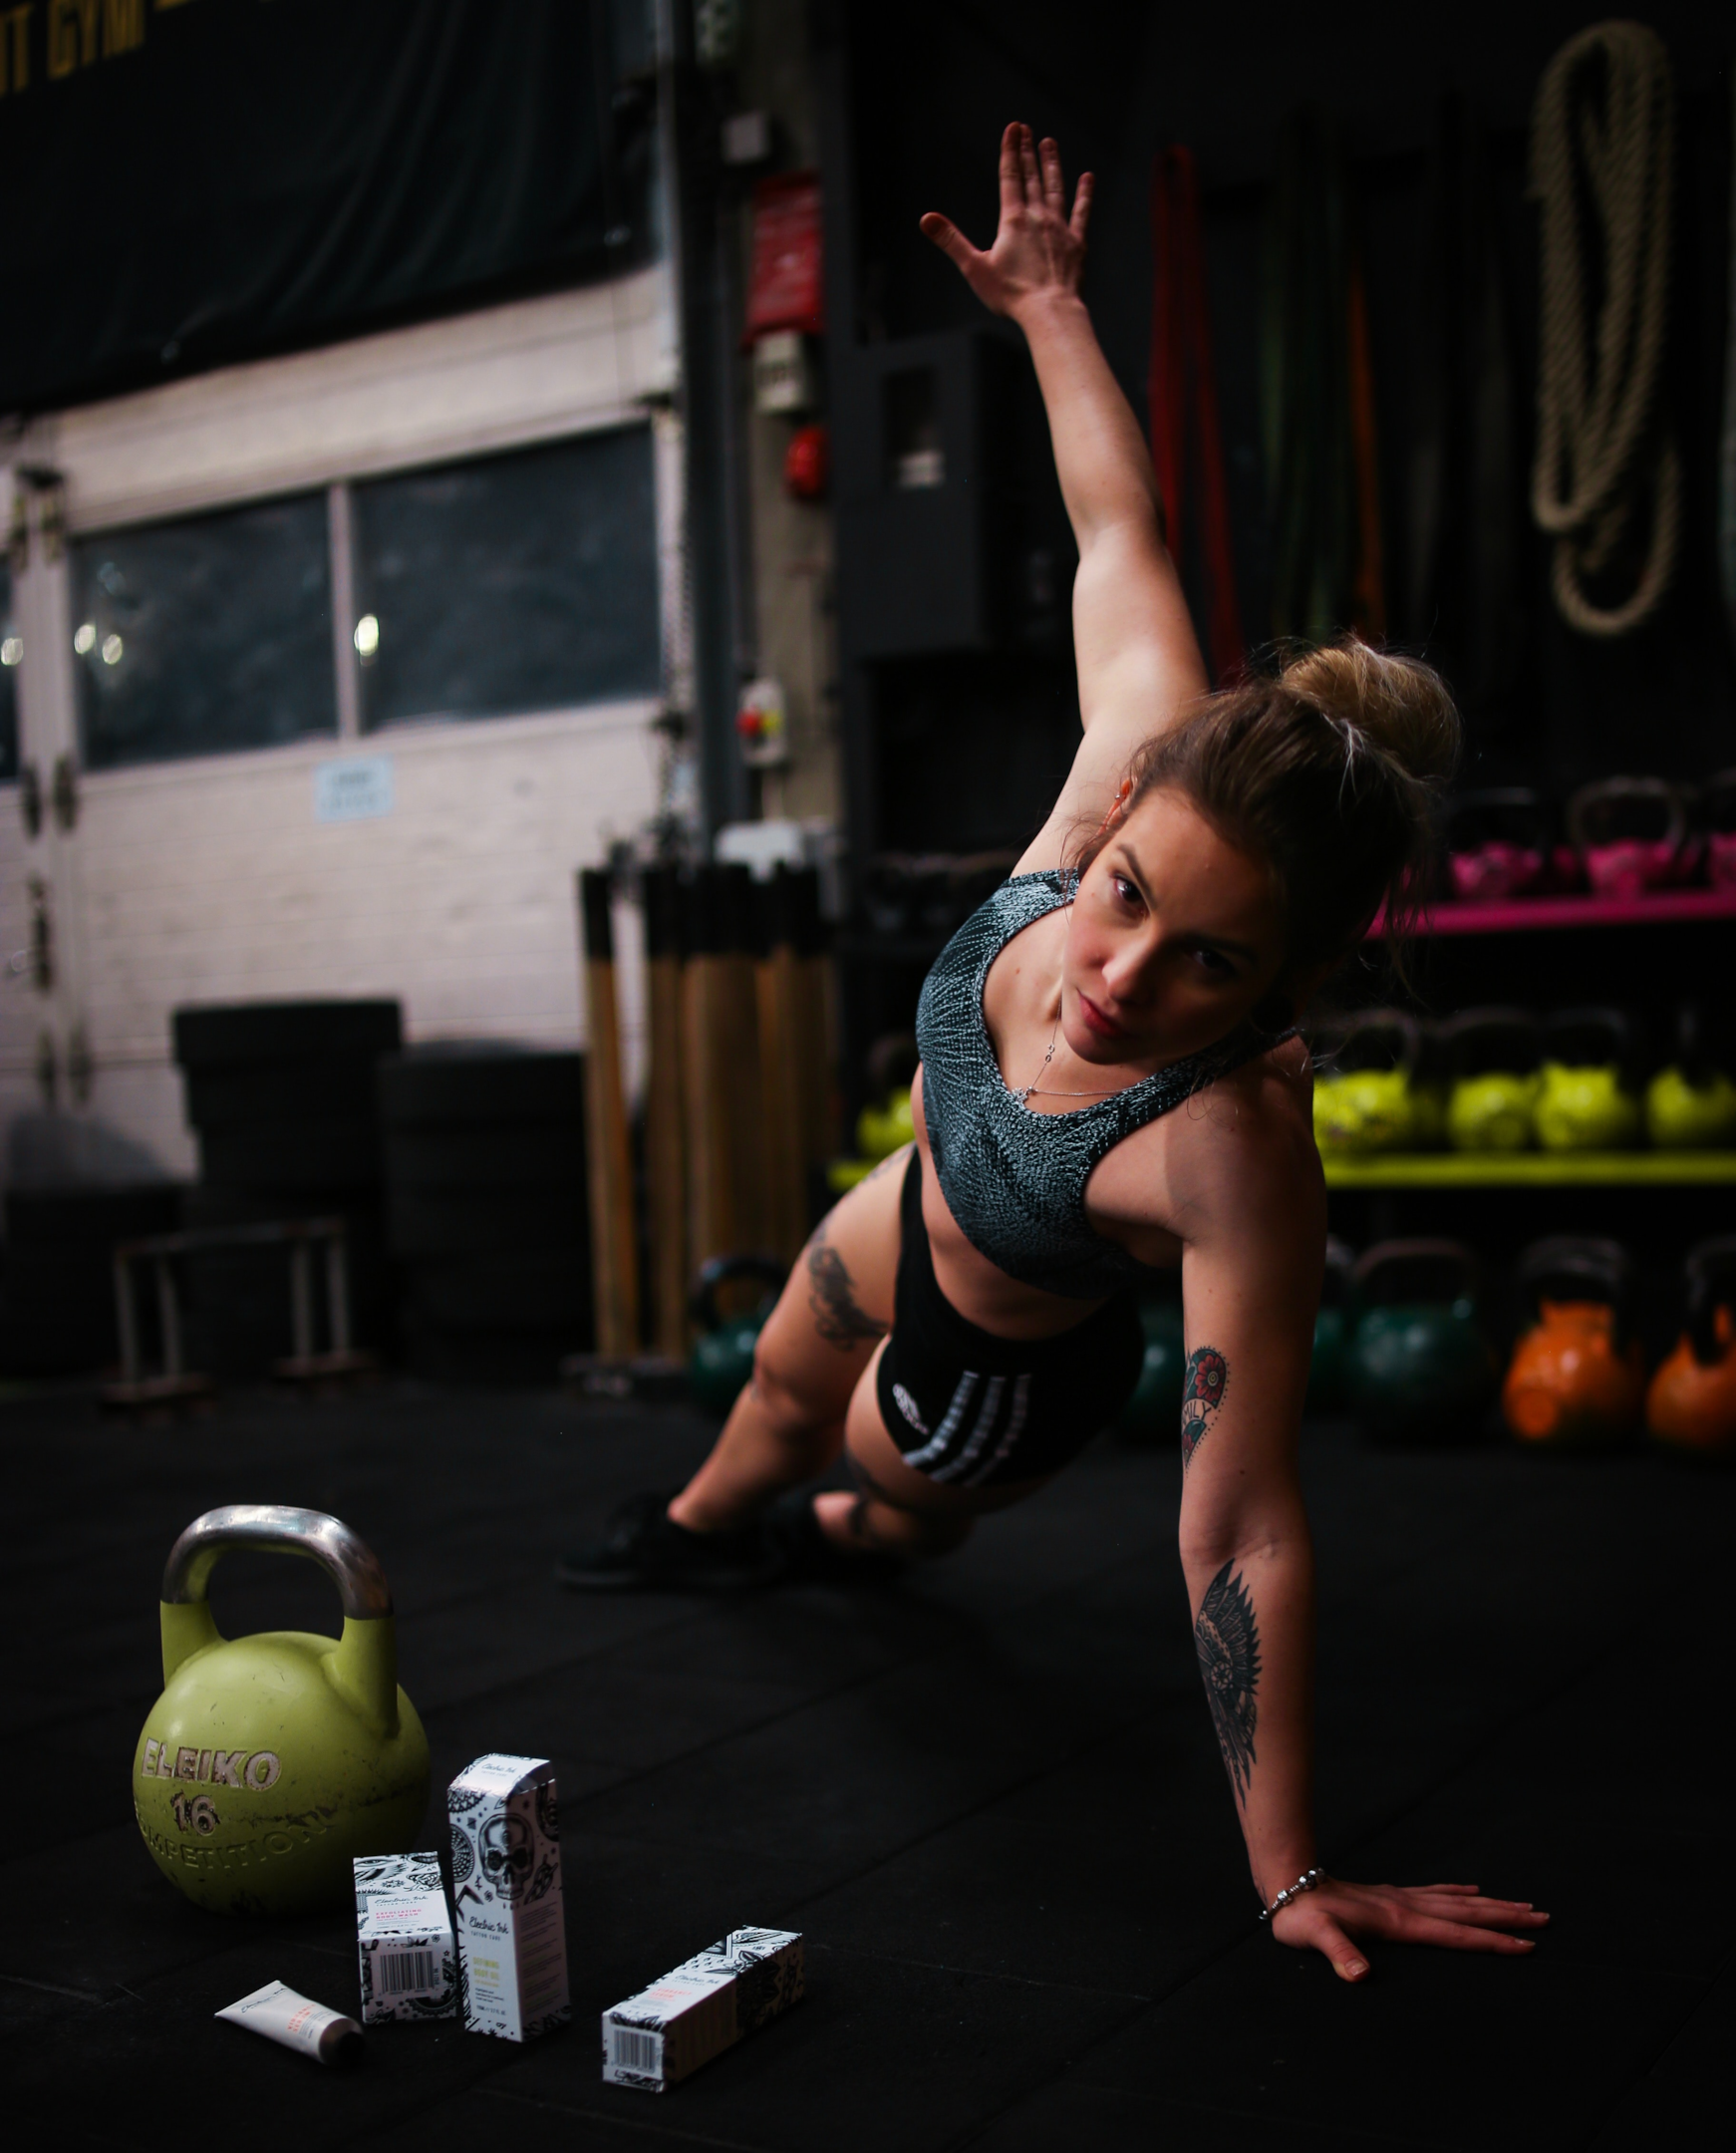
282,2016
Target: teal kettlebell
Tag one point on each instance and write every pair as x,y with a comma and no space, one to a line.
1332,1328
1493,1054
722,1359
1153,1412
1586,1100
1419,1367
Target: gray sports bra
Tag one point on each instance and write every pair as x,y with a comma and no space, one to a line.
1015,1180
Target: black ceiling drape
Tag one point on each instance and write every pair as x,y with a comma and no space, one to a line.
192,181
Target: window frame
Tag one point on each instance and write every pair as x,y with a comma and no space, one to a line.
523,376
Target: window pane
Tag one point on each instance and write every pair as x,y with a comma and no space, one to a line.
520,583
11,653
205,635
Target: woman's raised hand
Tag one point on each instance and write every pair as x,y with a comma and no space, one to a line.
1039,250
1454,1916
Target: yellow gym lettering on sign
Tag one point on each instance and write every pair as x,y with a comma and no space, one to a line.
75,33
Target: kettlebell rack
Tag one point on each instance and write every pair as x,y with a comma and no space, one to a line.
177,1385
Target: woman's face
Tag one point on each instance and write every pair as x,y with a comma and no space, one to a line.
1174,936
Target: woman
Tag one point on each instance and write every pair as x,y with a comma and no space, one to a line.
1111,1083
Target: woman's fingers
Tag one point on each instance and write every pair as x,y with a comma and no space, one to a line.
1027,163
1347,1960
1455,1935
1081,207
948,237
1054,191
1012,169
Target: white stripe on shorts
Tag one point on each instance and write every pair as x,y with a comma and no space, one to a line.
943,1435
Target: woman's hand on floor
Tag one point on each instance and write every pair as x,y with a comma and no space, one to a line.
1039,250
1456,1917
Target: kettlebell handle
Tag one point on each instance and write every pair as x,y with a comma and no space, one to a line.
350,1564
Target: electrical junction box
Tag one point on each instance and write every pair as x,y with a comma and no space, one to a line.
762,725
783,375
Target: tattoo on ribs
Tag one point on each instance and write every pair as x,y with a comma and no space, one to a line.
1208,1374
832,1297
1227,1638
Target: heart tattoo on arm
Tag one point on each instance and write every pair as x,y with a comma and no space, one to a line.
1208,1375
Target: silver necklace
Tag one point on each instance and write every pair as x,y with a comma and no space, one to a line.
1036,1090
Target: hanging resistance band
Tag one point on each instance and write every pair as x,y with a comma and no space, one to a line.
1181,357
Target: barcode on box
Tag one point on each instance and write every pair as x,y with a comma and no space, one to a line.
634,2051
406,1973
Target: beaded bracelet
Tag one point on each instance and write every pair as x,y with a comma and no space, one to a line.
1294,1891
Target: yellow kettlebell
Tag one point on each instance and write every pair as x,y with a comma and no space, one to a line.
269,1762
1492,1053
1586,1100
1364,1100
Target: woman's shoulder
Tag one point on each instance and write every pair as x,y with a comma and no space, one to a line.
1247,1141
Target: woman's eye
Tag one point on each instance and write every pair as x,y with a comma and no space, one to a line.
1212,961
1124,890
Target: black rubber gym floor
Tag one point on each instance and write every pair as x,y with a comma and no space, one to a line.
989,1797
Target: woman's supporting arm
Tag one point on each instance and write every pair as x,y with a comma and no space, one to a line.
1138,658
1251,1283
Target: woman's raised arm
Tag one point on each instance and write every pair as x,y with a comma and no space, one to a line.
1138,658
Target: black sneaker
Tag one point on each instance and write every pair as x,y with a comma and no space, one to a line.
643,1546
807,1554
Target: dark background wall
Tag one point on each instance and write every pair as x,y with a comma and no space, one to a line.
932,82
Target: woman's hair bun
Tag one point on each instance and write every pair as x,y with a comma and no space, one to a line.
1398,705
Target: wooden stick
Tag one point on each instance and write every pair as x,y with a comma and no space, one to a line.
784,1084
665,1145
739,1077
608,1149
704,1080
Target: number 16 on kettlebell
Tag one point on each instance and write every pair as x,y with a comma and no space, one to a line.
270,1762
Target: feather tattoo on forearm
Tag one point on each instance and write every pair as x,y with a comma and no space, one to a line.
1227,1638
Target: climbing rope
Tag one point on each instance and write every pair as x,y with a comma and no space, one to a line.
1603,133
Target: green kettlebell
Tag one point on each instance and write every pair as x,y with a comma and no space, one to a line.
270,1762
1152,1414
1493,1054
722,1359
1332,1327
1584,1102
1363,1102
1418,1367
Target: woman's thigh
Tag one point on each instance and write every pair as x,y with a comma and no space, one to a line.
837,1304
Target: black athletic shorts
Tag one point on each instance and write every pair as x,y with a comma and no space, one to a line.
970,1410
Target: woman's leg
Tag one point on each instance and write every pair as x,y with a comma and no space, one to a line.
789,1423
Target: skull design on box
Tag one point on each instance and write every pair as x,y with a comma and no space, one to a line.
506,1850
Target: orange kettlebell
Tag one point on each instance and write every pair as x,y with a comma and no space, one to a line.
1691,1404
1578,1375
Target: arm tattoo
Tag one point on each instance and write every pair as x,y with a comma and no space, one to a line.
1227,1638
1208,1374
832,1297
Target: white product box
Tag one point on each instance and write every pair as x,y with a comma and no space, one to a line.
404,1938
506,1896
663,2034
